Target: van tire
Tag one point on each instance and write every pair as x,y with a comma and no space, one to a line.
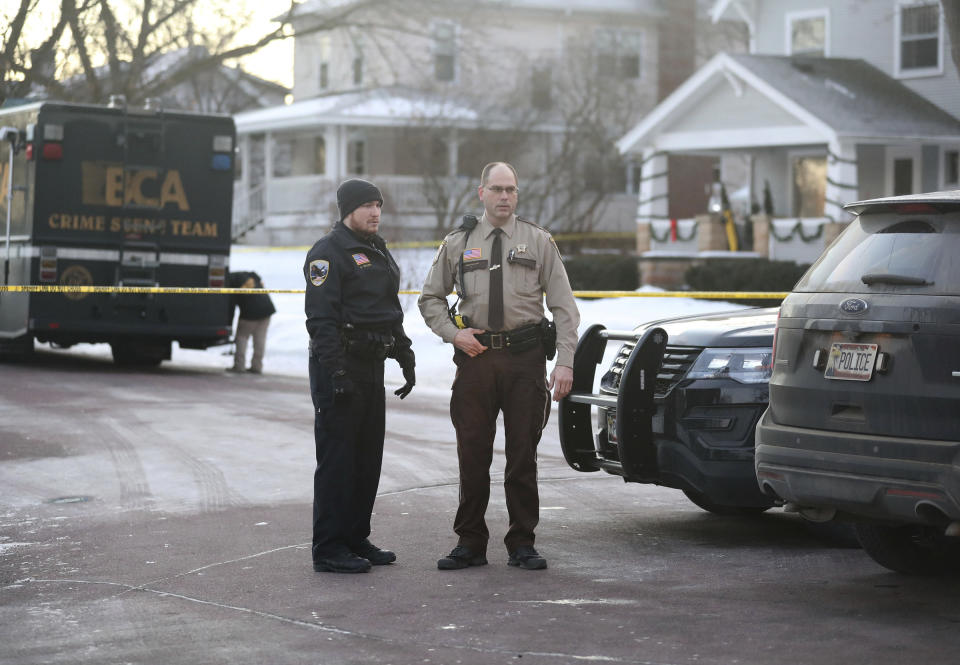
139,354
17,348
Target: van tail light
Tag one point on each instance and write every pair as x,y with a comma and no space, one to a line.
48,264
217,275
29,152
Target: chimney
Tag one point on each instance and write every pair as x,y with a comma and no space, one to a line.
677,46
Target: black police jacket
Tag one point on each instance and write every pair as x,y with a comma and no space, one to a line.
355,280
253,307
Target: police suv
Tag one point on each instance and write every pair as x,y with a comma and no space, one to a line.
863,421
677,406
111,196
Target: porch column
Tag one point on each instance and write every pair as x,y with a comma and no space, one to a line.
342,142
244,164
267,171
652,204
331,153
842,179
453,152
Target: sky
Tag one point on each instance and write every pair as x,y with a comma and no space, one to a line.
287,339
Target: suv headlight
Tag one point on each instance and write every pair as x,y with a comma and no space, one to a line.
743,365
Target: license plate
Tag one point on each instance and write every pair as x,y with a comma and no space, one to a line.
851,362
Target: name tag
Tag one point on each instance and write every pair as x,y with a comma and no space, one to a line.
474,265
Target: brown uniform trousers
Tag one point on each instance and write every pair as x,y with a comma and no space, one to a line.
514,383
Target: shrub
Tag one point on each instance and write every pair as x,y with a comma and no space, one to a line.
602,272
745,275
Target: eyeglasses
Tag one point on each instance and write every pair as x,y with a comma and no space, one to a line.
497,189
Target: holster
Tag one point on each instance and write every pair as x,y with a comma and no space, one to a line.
549,337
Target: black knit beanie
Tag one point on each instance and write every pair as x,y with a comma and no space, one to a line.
354,193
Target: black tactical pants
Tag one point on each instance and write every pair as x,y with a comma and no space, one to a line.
348,431
514,383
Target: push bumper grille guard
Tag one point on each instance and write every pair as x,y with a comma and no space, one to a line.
634,402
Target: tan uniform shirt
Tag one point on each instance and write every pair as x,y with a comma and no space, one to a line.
535,270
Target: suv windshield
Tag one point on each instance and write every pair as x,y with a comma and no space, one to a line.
887,253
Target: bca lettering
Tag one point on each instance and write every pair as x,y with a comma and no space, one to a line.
112,185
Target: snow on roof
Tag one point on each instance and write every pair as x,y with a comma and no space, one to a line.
374,107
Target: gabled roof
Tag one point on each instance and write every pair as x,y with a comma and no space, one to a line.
805,100
853,97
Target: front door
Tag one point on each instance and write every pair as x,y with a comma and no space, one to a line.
903,170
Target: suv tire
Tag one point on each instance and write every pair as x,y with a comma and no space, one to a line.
911,549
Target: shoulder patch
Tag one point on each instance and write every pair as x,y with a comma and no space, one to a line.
319,270
554,243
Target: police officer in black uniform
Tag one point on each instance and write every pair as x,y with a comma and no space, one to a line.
355,321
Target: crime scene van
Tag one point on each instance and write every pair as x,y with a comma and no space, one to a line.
111,196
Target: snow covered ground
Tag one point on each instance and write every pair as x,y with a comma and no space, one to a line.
282,268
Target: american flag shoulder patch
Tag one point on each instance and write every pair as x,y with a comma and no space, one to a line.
472,254
361,259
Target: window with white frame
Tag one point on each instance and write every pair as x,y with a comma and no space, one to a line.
357,60
808,33
445,51
357,156
541,86
618,53
324,63
919,38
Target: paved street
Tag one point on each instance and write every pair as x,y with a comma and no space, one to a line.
163,516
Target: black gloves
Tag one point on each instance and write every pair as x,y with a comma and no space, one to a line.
342,385
407,362
410,376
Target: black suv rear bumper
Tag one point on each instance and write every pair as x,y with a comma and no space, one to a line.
804,466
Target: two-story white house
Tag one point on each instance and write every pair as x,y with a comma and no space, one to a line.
420,101
837,100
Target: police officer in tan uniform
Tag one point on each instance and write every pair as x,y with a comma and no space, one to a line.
502,268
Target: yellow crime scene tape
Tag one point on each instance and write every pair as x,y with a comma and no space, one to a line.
416,244
699,295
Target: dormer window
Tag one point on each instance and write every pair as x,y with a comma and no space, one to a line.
808,33
445,51
919,31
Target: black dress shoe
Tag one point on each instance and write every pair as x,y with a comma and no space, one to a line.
342,563
527,557
461,557
374,554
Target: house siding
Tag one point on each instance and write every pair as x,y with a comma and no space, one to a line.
860,29
727,110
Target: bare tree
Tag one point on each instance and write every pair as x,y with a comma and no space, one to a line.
96,48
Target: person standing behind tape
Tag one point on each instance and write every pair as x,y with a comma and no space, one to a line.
255,312
502,266
355,321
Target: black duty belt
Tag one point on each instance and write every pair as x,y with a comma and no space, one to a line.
375,344
519,339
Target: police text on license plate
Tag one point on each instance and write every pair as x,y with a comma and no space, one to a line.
851,362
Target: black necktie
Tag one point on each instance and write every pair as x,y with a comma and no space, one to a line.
495,318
